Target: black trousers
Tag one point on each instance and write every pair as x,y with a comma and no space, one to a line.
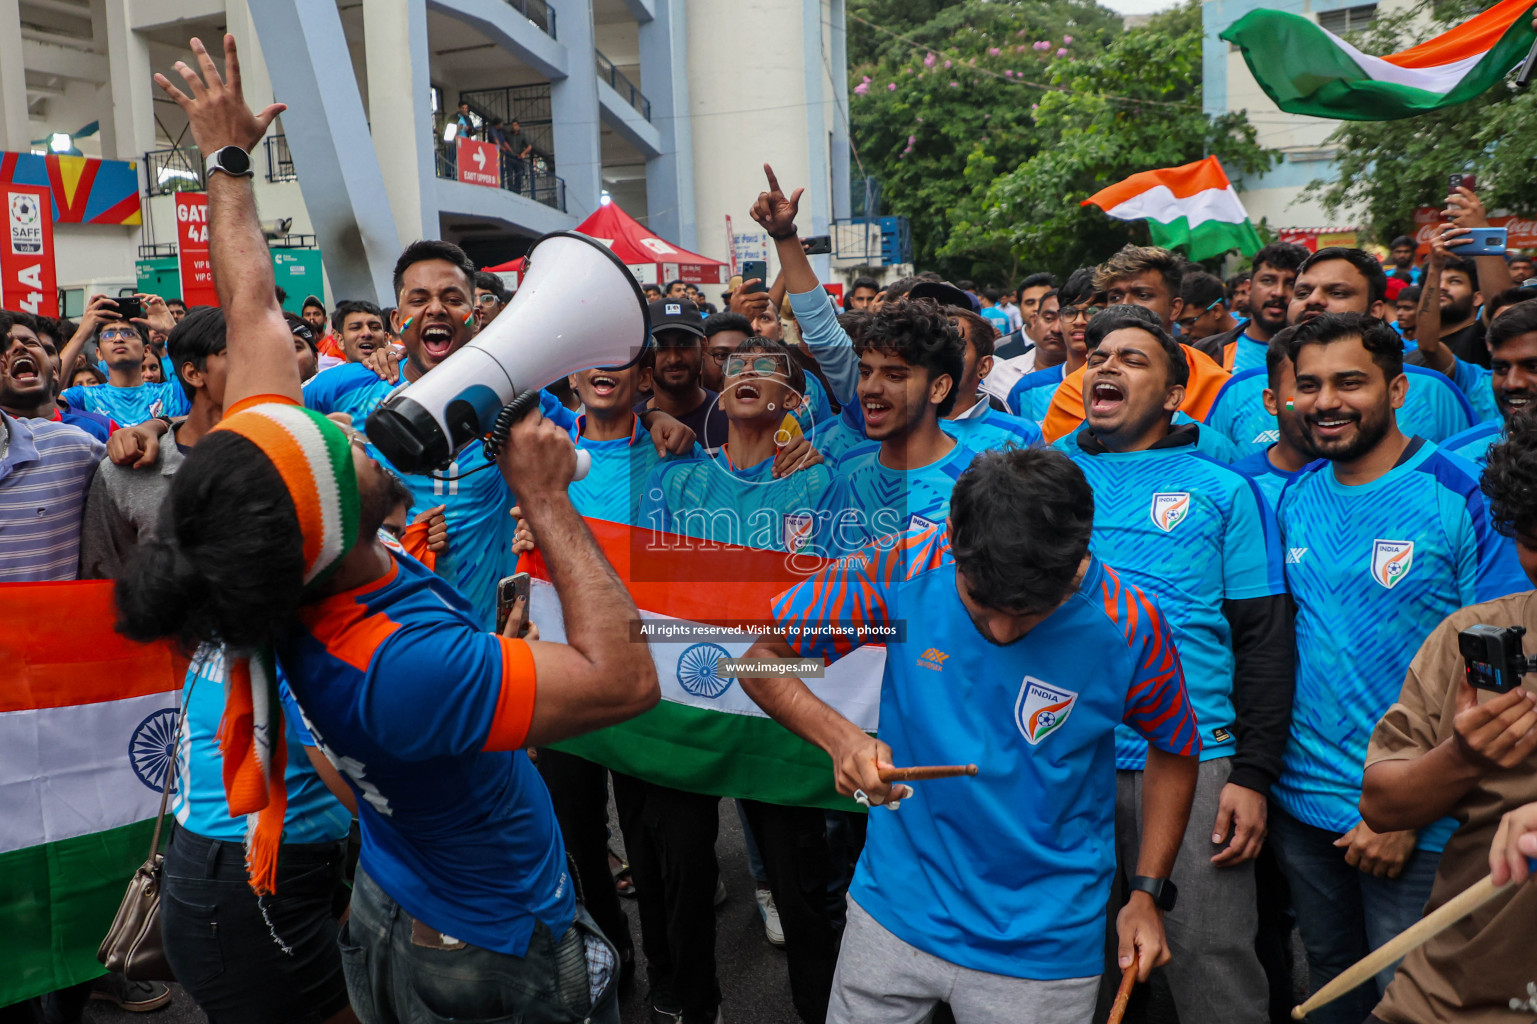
579,790
670,838
793,844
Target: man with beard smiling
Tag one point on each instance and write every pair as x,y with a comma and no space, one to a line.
360,326
1196,536
1385,537
1337,280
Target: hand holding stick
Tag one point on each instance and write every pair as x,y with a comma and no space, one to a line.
1123,994
923,773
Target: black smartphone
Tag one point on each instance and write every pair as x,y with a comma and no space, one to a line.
1466,179
756,269
817,244
129,307
508,590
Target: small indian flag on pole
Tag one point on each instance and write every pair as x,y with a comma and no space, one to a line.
1193,206
1307,69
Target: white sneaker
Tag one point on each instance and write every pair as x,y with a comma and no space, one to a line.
770,914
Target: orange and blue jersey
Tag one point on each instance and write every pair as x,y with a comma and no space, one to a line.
1194,534
425,714
1006,872
1373,569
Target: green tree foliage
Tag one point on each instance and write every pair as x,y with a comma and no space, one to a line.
1134,106
1387,168
937,113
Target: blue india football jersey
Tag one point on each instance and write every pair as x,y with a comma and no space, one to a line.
1031,395
815,408
476,500
424,713
1006,872
713,499
1191,533
1374,568
1270,480
874,500
1433,408
615,483
199,803
1477,383
834,439
1248,354
1474,443
130,406
993,429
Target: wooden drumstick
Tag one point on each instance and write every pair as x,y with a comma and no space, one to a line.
1123,994
922,773
1426,928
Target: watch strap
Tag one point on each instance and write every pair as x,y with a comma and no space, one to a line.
1161,890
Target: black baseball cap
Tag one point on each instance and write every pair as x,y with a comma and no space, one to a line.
942,293
676,315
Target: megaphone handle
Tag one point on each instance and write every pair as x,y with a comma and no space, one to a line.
583,464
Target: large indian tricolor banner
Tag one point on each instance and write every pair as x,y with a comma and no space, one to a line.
1306,69
1193,205
87,720
701,602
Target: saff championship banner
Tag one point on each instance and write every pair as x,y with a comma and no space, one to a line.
27,279
87,725
706,735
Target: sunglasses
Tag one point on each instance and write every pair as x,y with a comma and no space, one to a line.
763,364
1187,322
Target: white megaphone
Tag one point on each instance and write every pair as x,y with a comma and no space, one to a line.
577,307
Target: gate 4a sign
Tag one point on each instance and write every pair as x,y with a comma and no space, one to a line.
27,278
478,163
197,287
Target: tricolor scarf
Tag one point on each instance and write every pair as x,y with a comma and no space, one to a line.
314,458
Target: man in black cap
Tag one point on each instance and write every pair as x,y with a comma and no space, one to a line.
676,364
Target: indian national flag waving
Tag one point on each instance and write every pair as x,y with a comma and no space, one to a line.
1307,69
1192,205
702,601
87,721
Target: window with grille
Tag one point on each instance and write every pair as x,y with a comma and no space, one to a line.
1348,19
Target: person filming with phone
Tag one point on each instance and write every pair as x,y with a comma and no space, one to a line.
463,906
1461,742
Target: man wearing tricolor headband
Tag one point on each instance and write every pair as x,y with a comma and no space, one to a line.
268,546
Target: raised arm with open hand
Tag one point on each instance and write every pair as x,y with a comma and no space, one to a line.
260,349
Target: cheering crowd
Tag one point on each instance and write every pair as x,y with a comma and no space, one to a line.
1179,563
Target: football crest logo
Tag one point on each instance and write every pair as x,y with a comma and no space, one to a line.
797,530
1041,709
1391,561
1170,509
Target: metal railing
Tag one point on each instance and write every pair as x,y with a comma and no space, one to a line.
536,11
626,89
529,105
179,169
528,178
293,242
157,250
280,162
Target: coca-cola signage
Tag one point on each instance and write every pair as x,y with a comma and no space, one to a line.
1521,230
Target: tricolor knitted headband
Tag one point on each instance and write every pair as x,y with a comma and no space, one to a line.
314,458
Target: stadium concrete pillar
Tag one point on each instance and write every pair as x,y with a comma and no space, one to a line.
15,132
669,176
574,107
400,107
328,137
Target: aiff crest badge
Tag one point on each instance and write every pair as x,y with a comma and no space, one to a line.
1041,709
1169,509
797,530
1391,560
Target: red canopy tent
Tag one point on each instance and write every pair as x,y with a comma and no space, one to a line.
652,259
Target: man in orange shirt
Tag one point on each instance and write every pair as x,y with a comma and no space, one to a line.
1147,276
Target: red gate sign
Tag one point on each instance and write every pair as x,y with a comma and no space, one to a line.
197,288
478,163
26,257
